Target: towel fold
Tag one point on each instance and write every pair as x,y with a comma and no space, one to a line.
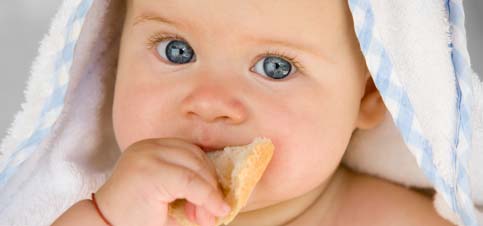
61,146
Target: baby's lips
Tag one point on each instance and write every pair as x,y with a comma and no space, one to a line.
209,149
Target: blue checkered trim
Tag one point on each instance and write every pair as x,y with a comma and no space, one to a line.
59,81
457,192
463,72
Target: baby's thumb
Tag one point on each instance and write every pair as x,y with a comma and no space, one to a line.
199,215
171,222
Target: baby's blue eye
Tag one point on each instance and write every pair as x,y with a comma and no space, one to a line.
274,67
176,51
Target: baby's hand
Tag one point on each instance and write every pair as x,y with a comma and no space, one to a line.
152,173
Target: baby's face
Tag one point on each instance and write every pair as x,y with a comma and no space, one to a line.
221,72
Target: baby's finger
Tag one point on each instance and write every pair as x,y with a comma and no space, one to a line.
203,217
179,143
194,149
187,159
171,222
187,184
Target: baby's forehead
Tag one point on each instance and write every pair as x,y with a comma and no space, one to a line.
302,23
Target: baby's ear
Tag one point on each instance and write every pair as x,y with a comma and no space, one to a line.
372,108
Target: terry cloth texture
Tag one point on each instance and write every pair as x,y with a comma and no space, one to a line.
61,147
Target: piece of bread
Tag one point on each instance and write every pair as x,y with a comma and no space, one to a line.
239,168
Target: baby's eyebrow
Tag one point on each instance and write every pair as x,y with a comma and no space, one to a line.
155,18
300,46
270,41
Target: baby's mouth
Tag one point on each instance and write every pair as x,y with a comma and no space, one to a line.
209,149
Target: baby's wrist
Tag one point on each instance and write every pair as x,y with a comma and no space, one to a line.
98,210
81,213
93,213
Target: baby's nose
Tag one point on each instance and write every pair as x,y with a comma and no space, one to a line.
212,102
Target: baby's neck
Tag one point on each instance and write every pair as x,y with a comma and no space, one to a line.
320,201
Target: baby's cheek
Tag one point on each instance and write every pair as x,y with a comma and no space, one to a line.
308,148
290,163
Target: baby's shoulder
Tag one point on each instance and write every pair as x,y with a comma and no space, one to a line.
370,200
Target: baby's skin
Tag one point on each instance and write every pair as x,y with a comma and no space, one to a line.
195,76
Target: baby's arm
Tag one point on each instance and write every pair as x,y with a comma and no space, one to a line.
148,176
81,213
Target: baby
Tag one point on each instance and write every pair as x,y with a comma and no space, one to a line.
196,76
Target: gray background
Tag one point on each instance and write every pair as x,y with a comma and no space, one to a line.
23,23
